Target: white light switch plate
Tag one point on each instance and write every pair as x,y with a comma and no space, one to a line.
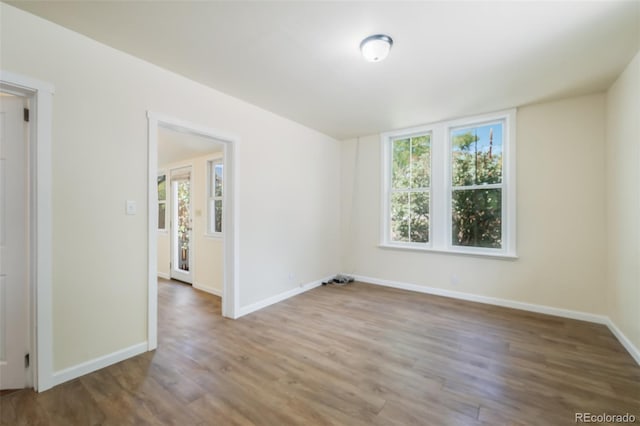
131,207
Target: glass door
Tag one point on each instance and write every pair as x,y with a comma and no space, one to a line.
181,225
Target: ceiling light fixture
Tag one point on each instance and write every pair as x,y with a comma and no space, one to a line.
376,47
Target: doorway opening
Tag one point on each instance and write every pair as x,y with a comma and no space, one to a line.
15,260
25,192
192,219
190,237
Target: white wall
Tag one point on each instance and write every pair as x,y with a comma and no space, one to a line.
623,202
208,251
288,175
560,216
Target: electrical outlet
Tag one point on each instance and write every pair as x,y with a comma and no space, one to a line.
455,279
292,276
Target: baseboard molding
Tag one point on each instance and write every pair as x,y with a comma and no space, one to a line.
630,347
164,276
207,289
90,366
245,310
541,309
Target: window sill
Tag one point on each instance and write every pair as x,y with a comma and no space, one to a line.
505,256
214,236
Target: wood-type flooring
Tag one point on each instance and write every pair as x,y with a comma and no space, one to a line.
353,355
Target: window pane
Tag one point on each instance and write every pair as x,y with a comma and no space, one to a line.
420,161
183,200
162,188
419,231
400,217
218,180
218,216
477,155
212,217
477,218
161,215
400,170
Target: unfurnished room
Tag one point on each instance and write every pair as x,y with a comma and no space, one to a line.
319,213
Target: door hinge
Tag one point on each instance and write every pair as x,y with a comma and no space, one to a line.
26,115
26,361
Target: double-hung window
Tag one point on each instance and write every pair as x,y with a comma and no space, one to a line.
450,186
410,188
476,185
215,190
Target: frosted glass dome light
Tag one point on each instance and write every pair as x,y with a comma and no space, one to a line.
376,47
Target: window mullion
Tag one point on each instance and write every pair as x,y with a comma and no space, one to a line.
494,141
438,196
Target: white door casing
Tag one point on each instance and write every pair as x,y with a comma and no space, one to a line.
40,96
14,252
230,296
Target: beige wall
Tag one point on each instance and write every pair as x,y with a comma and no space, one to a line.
560,216
207,260
290,218
623,202
287,176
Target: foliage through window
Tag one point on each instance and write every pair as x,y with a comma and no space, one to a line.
476,197
182,196
410,176
450,186
215,207
162,202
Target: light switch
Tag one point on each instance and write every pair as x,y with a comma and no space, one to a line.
131,207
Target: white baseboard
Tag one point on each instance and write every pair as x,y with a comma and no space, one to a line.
97,363
542,309
87,367
163,275
245,310
566,313
207,289
624,340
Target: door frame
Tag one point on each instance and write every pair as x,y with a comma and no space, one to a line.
173,231
230,288
40,96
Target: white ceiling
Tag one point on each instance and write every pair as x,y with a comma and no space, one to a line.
301,59
175,146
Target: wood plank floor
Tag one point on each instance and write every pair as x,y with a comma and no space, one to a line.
353,355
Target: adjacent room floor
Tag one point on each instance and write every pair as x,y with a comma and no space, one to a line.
353,355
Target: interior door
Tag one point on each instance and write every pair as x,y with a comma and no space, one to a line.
14,319
181,226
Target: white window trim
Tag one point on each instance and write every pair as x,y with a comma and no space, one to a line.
388,139
211,163
441,188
